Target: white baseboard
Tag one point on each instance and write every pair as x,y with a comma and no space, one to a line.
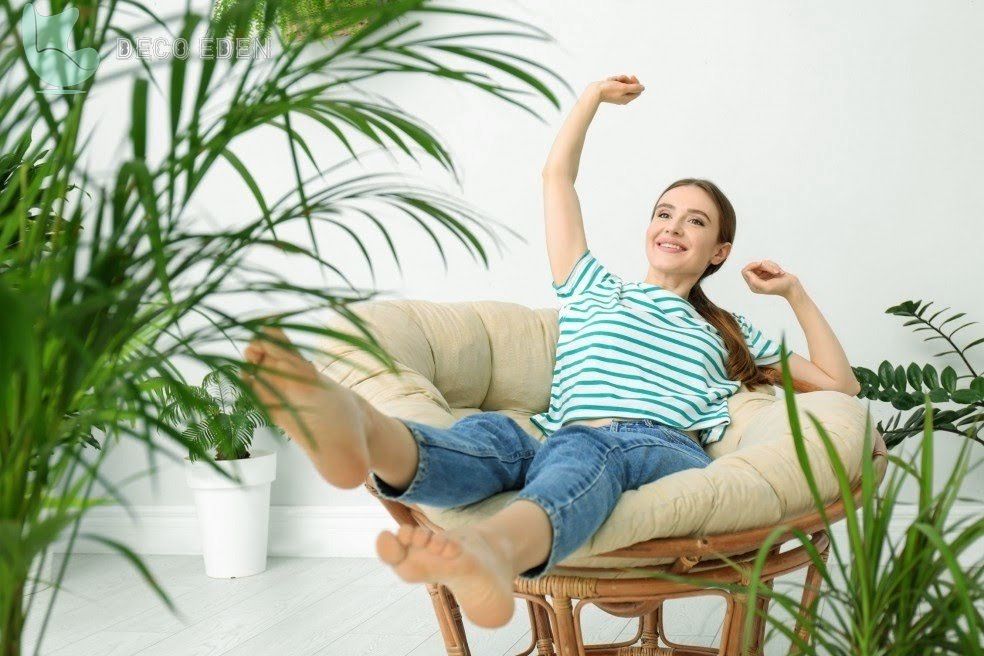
306,531
301,531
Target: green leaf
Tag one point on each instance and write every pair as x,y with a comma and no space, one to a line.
886,374
179,66
247,178
949,379
973,344
966,396
914,376
953,318
900,378
138,113
138,564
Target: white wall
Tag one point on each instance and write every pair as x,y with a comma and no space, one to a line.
848,136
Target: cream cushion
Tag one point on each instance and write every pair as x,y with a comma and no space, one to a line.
455,359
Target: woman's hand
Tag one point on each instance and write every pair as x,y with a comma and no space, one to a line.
618,89
767,277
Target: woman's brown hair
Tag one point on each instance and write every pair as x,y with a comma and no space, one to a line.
741,364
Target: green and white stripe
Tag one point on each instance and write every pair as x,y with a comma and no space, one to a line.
636,350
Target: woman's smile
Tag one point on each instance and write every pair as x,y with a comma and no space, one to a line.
667,247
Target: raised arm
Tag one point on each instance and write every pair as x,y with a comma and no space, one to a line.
562,210
828,367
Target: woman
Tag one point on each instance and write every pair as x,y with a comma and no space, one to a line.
644,371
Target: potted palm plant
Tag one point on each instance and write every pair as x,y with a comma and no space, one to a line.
232,494
109,275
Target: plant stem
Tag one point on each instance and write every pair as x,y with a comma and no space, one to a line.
950,342
13,622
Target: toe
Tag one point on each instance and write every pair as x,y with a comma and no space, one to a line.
254,352
278,344
451,549
421,537
405,534
437,543
275,335
389,548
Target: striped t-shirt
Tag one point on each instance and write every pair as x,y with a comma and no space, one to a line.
636,350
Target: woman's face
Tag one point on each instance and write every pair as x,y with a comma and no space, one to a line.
685,216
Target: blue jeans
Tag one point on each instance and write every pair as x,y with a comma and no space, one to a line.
576,475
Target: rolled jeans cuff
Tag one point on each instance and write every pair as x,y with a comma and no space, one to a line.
410,494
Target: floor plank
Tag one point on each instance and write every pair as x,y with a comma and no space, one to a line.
213,596
355,644
86,605
110,643
285,600
482,641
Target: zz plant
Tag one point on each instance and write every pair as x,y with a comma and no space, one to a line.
904,386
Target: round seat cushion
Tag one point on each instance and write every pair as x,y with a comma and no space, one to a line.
454,359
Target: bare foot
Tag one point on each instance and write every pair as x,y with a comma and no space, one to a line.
329,422
474,566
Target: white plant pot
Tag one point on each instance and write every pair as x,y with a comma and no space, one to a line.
234,518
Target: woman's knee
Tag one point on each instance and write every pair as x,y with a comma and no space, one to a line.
499,433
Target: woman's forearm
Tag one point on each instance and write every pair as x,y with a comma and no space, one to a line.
565,154
825,350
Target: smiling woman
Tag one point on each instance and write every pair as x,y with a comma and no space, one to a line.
638,350
689,236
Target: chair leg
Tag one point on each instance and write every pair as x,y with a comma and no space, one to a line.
541,627
734,626
566,637
811,593
650,627
449,620
760,621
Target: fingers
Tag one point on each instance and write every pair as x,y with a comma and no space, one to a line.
767,266
631,80
772,267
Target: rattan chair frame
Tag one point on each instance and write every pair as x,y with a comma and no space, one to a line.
555,618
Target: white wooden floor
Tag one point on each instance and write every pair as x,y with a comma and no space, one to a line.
298,607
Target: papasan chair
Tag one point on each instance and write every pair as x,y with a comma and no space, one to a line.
460,358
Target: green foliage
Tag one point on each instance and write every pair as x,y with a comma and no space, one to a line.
878,595
109,279
905,386
215,415
308,19
22,168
